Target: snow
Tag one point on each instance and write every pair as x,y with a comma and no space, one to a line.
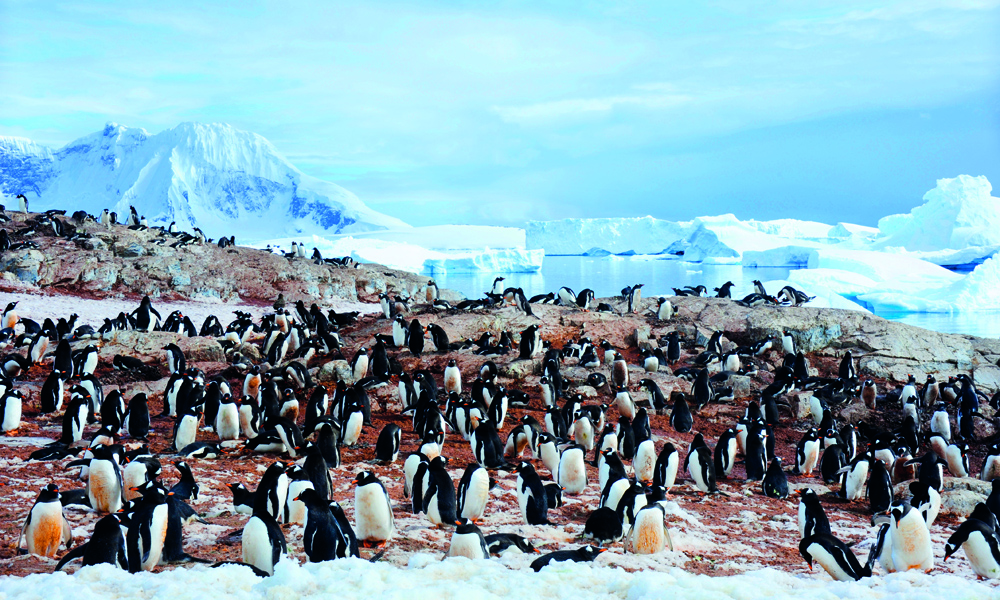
641,235
213,176
428,576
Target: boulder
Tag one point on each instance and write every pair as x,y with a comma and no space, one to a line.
335,370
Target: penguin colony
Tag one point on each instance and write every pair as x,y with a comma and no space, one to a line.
598,426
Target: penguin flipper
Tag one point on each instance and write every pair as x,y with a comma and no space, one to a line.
27,520
75,553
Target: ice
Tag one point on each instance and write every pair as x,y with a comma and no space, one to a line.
641,235
975,291
216,177
427,576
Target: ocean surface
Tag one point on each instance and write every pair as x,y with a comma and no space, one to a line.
608,275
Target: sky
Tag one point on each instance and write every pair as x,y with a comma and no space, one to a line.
501,112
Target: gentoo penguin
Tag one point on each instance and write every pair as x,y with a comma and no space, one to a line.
147,529
387,446
812,517
227,419
853,476
322,539
991,464
665,473
644,463
372,509
549,453
725,453
468,541
680,417
869,393
46,528
359,364
958,461
400,329
834,556
531,496
940,424
243,499
775,484
104,479
439,503
619,371
807,453
452,378
755,457
9,318
787,343
911,540
572,469
497,288
415,339
664,309
138,471
10,410
175,359
879,489
926,500
473,492
700,467
648,534
105,546
263,542
432,292
581,554
978,537
298,482
603,526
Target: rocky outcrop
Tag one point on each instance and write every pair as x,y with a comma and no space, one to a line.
117,261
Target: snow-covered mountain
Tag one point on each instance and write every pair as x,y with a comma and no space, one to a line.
213,176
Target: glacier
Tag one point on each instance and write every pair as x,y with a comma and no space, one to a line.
212,176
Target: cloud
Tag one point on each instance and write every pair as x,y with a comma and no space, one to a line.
581,107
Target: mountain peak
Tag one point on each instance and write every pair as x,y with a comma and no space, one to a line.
214,176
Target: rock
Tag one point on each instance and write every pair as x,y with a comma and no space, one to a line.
519,369
960,502
800,403
250,351
143,344
741,385
132,250
335,370
24,264
640,336
854,412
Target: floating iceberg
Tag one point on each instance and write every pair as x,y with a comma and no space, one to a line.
641,235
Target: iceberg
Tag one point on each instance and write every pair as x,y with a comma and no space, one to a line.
572,237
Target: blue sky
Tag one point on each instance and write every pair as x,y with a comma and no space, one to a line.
498,112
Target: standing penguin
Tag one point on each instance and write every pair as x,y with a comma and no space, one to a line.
322,539
911,540
725,453
105,546
619,371
416,338
665,471
372,509
834,556
439,497
263,542
46,528
700,467
387,445
775,484
648,534
680,417
880,494
531,496
468,541
359,364
452,378
812,517
104,479
10,411
473,492
572,469
978,538
147,529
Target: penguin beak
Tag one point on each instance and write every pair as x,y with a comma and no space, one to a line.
458,522
296,499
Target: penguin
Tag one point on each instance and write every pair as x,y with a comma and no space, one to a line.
372,509
415,340
665,470
263,542
359,364
581,554
911,540
812,517
831,462
648,534
853,478
978,538
387,446
486,445
700,467
834,556
775,484
991,464
879,490
452,378
298,482
10,411
143,316
664,309
432,292
680,417
787,343
603,526
501,543
940,424
273,490
755,456
147,529
105,546
572,469
725,453
439,502
46,528
702,390
957,460
473,492
227,419
549,453
644,463
468,541
531,496
619,371
626,406
926,500
243,499
104,480
807,453
52,393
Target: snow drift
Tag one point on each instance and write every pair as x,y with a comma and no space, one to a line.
212,176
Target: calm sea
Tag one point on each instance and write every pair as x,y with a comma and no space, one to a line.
608,275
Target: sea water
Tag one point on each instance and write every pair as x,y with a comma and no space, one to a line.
609,274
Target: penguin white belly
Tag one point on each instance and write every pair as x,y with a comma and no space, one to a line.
550,458
956,465
227,422
856,481
941,425
730,460
296,508
103,488
157,533
811,458
991,468
910,410
802,520
90,365
572,472
828,562
911,545
935,506
468,545
647,534
670,474
133,475
352,429
940,446
246,421
694,470
618,489
44,534
373,516
583,433
187,432
409,470
257,545
626,407
433,511
453,381
741,438
885,556
816,409
476,496
980,556
644,464
11,414
290,410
